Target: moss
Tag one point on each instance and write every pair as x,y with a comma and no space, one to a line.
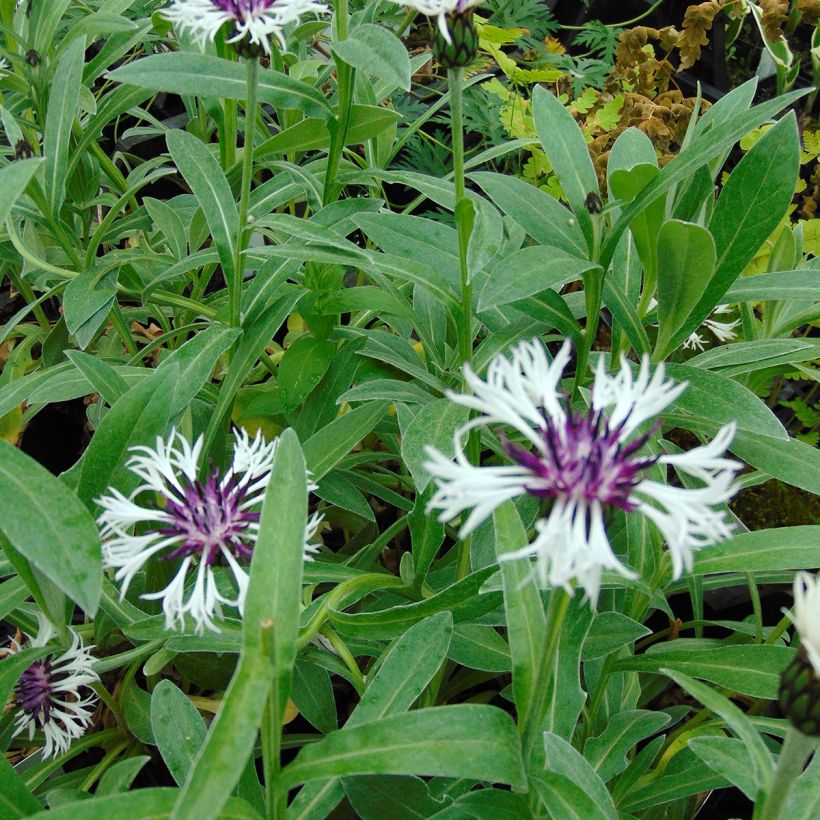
775,504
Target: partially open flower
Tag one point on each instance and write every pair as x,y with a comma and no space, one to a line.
583,464
200,523
442,10
799,695
53,695
252,21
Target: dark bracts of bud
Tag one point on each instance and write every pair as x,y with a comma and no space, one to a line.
33,58
245,48
462,50
23,149
799,695
593,203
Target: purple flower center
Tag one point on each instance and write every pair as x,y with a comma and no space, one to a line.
34,690
208,517
584,460
243,9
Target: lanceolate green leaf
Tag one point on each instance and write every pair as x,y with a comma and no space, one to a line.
686,255
377,51
200,74
751,205
13,181
735,718
137,418
15,798
62,108
469,741
178,728
762,551
203,174
50,527
326,447
568,154
405,669
749,670
146,804
523,607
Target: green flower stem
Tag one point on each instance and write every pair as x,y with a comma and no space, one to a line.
98,740
464,226
338,129
121,326
534,724
243,232
275,799
593,299
344,653
793,754
227,145
337,597
116,661
105,764
24,289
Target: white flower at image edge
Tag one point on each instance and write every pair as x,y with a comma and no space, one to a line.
806,615
202,523
49,694
441,10
582,464
255,19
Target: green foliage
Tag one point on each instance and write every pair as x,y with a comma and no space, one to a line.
302,248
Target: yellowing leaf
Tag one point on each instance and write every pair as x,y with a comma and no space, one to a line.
493,35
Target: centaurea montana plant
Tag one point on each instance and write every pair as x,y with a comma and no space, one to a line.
583,463
202,523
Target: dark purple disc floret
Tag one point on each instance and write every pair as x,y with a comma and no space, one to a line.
585,459
34,690
242,9
208,516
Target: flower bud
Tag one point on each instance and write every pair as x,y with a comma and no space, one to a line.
461,50
799,695
23,149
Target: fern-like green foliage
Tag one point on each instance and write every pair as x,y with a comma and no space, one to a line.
599,39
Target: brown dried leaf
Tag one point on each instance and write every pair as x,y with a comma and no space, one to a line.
775,14
809,11
696,22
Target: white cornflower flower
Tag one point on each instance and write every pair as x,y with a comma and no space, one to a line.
200,522
48,693
722,331
584,463
253,21
441,10
806,615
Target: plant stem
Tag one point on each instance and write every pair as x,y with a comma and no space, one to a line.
464,226
338,129
235,287
557,609
465,340
793,754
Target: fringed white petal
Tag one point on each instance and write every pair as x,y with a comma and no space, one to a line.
806,615
572,547
461,486
687,517
517,391
631,401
